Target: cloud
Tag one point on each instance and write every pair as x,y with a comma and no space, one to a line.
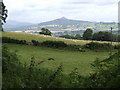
44,10
91,1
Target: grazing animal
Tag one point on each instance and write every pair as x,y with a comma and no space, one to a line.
81,50
50,58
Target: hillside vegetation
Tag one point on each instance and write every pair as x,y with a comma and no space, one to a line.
28,37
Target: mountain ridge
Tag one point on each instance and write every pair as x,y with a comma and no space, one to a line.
62,23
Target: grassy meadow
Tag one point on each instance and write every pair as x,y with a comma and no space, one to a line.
41,38
69,59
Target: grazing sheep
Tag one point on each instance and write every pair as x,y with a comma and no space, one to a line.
81,50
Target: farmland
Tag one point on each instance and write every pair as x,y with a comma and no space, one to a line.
32,65
69,59
41,38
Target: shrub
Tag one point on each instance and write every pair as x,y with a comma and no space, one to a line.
9,40
98,46
107,72
18,75
54,44
36,43
117,47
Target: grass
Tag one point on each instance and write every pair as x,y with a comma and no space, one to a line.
69,59
41,38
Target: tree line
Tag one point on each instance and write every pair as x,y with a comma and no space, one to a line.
98,36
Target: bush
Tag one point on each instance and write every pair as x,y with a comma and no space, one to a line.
18,75
36,43
54,44
107,72
117,47
9,40
98,46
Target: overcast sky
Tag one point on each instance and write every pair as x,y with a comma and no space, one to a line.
36,11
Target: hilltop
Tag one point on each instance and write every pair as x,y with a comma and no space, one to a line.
61,24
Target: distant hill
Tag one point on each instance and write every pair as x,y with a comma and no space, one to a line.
61,24
62,21
12,25
16,23
65,24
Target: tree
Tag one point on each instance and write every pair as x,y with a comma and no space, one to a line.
78,36
102,36
99,36
45,31
3,14
87,35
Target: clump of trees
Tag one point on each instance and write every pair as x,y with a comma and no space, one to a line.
98,36
87,35
98,46
54,44
45,31
102,36
10,40
106,36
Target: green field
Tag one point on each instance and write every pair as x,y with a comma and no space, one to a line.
69,59
41,38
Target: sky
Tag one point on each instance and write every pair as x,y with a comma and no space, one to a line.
37,11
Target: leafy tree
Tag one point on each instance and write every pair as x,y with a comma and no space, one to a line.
102,36
116,37
78,36
45,31
87,35
3,14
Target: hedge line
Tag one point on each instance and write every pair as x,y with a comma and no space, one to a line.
61,44
99,46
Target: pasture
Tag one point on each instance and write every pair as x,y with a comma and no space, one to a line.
69,59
